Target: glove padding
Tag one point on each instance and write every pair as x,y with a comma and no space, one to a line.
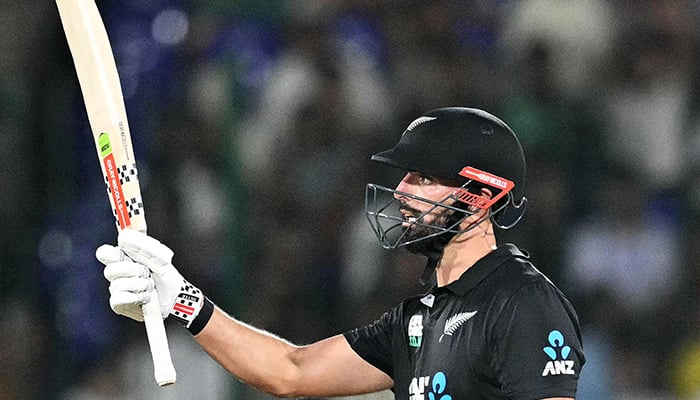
141,267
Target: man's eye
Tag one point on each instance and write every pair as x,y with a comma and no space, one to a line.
424,180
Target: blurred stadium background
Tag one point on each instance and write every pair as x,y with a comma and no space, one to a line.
253,123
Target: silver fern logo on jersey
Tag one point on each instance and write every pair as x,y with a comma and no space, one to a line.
454,322
418,121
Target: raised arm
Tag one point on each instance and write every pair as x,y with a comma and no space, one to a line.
323,369
141,267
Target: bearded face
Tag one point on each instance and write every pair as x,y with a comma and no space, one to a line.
423,233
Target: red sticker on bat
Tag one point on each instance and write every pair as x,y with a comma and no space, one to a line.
115,186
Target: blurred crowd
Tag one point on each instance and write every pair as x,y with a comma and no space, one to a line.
253,124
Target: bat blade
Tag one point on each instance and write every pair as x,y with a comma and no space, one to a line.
101,89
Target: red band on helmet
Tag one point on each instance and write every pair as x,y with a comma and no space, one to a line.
500,187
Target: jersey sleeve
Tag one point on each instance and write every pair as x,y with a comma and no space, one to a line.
537,342
374,342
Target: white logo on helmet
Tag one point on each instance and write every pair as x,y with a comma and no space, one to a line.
418,121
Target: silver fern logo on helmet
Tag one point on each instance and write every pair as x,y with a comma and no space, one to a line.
416,122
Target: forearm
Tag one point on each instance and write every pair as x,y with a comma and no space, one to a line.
327,368
256,357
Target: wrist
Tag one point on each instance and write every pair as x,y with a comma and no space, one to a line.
202,318
187,304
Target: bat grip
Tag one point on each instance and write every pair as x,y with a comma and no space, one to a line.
163,368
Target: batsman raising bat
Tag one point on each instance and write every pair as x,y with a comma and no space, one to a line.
489,326
101,88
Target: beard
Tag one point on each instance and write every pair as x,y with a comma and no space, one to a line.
431,240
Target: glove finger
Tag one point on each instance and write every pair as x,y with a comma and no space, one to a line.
132,311
124,299
145,249
131,284
125,269
107,254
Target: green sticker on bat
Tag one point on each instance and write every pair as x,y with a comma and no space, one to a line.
103,142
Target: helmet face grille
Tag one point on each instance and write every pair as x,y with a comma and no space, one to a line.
393,230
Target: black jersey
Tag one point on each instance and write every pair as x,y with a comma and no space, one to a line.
502,331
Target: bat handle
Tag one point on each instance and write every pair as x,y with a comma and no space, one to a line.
158,341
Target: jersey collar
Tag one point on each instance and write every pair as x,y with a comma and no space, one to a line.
482,268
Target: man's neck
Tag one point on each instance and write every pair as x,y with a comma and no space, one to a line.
463,251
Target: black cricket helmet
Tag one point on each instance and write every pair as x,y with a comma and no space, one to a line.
467,147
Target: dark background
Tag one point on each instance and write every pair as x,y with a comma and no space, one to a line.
253,124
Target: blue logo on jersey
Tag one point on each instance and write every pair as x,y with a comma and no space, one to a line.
556,339
439,384
557,348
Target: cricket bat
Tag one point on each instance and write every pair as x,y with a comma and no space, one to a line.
99,82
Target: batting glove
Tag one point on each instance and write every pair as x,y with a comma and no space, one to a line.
141,267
